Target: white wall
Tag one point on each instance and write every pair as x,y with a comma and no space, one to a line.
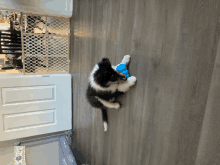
47,7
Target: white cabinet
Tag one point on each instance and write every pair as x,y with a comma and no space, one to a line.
34,104
43,7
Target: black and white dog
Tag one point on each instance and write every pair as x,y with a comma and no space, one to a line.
106,86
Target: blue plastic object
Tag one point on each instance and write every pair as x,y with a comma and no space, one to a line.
123,69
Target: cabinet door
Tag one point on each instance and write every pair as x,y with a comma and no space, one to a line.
34,104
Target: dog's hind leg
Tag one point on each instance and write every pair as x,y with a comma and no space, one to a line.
108,104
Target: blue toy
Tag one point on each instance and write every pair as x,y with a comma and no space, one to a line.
123,69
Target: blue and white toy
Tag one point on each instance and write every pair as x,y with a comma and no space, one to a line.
122,68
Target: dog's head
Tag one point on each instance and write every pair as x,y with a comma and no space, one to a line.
106,75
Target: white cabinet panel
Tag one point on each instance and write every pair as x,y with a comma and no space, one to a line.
34,105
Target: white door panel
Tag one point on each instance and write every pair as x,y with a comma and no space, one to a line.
21,95
34,105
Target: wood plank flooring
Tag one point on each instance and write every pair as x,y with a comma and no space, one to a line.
171,116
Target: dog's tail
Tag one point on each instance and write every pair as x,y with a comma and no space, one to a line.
105,118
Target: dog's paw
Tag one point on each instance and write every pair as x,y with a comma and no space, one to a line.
117,105
126,59
105,126
132,80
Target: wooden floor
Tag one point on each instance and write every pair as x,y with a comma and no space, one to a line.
172,115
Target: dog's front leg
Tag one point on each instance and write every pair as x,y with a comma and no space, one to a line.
125,86
109,104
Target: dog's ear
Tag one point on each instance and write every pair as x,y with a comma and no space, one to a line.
105,63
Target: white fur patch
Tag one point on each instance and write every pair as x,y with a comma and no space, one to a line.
105,126
114,67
